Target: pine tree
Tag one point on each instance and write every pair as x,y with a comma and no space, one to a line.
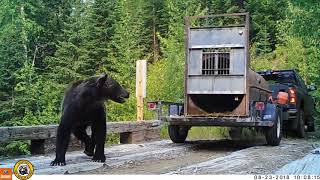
13,49
168,73
265,15
99,30
126,46
24,43
156,23
69,63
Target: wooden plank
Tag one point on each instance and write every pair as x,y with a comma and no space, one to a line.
27,132
49,131
309,165
119,155
131,126
152,134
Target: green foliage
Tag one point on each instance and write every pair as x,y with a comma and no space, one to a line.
166,77
14,148
164,131
299,47
265,15
29,31
122,112
113,139
286,56
125,48
199,133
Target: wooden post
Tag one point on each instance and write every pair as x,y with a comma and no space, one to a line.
139,108
141,76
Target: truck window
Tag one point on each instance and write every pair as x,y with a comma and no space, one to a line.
284,77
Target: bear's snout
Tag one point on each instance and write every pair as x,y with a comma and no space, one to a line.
121,97
126,94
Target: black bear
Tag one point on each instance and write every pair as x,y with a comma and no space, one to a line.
83,105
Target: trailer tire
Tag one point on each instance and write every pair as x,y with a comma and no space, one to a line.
301,133
178,134
273,134
235,133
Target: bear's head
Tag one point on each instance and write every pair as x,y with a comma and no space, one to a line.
111,89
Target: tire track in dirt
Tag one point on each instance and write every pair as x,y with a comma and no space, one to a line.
253,160
197,151
165,157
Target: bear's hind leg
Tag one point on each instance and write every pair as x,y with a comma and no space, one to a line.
81,134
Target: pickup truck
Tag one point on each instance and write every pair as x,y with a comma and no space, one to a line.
300,107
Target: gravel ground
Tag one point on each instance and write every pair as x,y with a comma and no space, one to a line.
192,157
218,157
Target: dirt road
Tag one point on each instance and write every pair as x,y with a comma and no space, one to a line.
217,157
165,157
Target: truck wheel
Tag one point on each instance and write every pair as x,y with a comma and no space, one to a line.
301,133
178,134
311,125
273,134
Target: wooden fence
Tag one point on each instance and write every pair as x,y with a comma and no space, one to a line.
43,137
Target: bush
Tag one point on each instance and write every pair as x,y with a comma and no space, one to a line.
15,148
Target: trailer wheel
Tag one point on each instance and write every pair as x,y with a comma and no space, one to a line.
301,126
273,134
178,134
235,133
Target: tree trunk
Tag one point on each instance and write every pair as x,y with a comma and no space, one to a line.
24,34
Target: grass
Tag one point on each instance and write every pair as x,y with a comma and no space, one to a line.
197,133
206,133
211,133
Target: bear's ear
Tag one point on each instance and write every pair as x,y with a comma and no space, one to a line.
102,79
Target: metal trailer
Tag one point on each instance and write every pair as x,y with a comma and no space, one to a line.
220,88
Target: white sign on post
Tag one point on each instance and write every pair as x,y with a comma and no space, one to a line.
141,78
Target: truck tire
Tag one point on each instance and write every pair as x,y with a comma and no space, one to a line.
273,134
178,134
311,125
301,133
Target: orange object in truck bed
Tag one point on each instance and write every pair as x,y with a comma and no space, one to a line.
282,98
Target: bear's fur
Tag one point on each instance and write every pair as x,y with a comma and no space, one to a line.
83,105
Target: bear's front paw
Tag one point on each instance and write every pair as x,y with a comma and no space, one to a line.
58,163
101,158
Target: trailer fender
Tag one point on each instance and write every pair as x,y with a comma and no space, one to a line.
270,112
